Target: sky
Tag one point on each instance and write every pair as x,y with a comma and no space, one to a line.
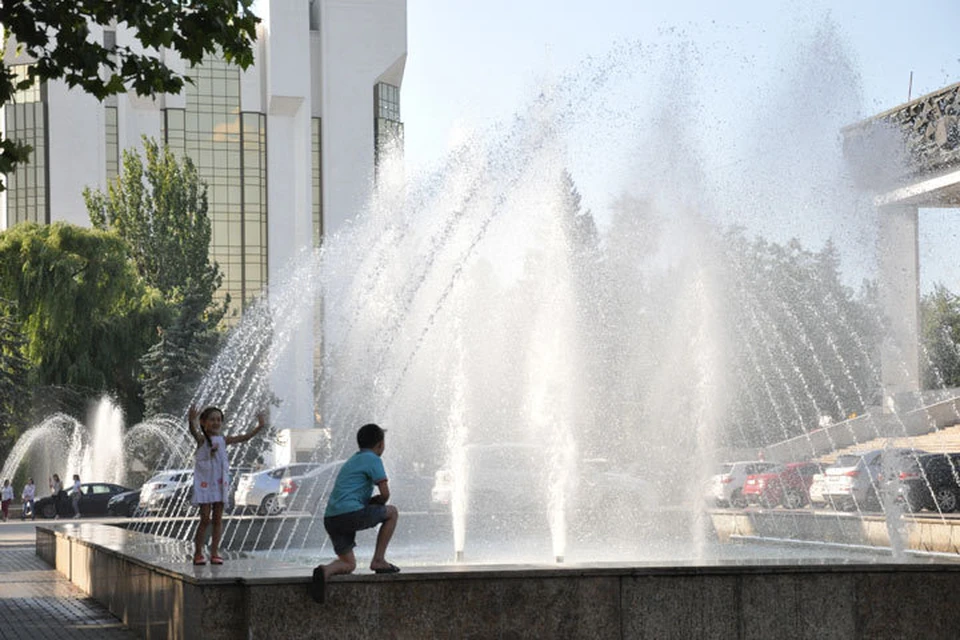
742,80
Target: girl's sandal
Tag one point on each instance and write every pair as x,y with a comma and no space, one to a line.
216,560
199,560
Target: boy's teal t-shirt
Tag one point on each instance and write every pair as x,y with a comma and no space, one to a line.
354,484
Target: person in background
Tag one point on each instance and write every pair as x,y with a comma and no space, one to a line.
6,497
75,495
56,488
28,497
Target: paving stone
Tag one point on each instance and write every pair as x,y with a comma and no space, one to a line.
36,602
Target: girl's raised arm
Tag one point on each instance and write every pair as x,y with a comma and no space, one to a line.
193,422
261,423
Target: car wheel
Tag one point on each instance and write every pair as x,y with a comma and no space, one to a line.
48,511
270,506
766,501
947,499
737,500
793,500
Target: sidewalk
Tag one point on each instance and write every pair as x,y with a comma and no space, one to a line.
37,602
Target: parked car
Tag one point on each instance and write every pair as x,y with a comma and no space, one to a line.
854,480
726,487
499,477
308,491
124,504
932,482
94,497
787,484
818,485
259,490
166,490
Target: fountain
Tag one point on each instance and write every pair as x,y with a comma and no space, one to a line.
100,450
481,306
95,452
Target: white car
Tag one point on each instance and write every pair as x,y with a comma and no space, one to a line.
499,477
165,489
259,490
726,488
506,477
818,487
855,479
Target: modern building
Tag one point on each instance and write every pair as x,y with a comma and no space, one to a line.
287,147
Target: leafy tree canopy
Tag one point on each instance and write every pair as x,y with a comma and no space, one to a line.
84,312
940,337
159,207
56,36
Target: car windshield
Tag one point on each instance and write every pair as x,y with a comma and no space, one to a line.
725,469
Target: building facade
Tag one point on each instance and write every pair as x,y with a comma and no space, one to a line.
288,147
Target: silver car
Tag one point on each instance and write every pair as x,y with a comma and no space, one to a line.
259,490
855,480
166,490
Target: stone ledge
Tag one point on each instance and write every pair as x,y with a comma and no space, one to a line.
166,598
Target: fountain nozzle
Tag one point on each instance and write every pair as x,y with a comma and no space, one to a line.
559,559
459,555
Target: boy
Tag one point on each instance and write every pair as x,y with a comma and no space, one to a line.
353,507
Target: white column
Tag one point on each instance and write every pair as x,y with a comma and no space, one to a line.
287,75
900,301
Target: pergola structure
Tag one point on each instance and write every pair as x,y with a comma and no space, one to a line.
908,157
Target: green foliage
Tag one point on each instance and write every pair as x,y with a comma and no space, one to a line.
806,345
939,336
84,312
14,372
56,34
159,207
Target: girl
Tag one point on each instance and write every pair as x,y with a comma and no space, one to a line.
211,475
75,493
28,496
56,487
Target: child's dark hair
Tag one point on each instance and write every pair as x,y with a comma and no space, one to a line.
369,436
206,414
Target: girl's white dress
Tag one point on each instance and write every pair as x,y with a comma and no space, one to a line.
211,472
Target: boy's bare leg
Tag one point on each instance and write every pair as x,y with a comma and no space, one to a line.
346,562
383,538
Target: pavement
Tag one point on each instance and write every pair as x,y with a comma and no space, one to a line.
38,602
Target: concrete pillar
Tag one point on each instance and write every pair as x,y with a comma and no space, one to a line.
900,301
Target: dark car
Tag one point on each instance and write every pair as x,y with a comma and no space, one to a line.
124,504
932,482
94,497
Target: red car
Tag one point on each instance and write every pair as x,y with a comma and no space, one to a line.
786,484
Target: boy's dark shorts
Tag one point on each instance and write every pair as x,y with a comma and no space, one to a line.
343,528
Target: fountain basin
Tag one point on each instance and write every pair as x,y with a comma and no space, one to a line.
145,581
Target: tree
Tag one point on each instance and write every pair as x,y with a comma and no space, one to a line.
939,336
86,315
14,372
56,35
806,345
160,209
